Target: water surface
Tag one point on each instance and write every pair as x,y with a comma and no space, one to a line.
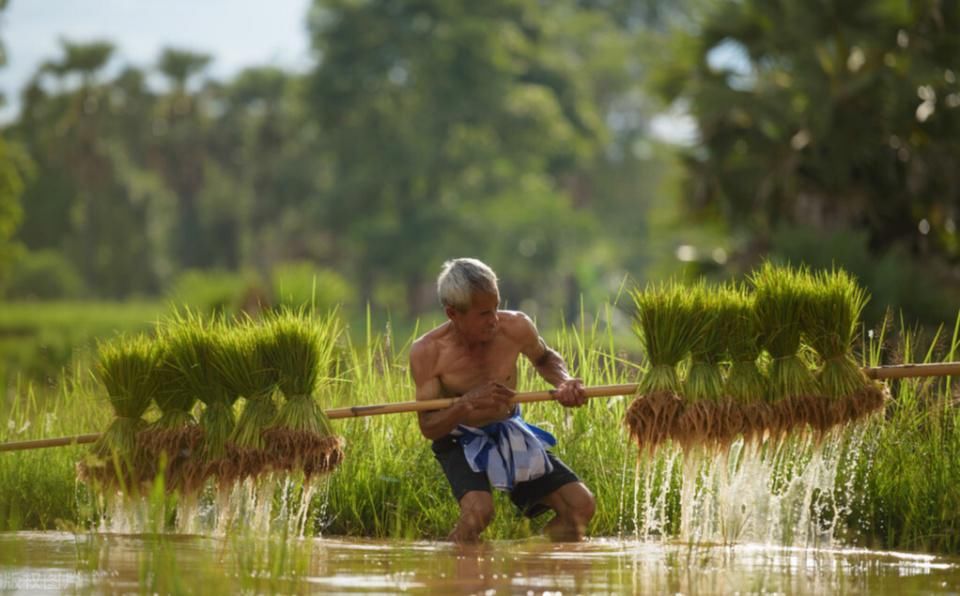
65,562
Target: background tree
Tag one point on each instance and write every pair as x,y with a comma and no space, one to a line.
89,201
179,153
15,167
841,117
270,162
443,121
514,130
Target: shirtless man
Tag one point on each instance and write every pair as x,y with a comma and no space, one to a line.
474,354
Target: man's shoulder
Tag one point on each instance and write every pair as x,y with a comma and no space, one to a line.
516,324
428,344
514,316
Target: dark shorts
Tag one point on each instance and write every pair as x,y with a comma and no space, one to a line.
525,495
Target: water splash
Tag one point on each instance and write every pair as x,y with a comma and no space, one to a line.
797,492
272,504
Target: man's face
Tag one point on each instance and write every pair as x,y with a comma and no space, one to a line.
479,322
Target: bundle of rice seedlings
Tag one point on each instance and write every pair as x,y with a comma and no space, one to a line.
175,436
782,296
666,332
831,327
127,369
302,351
705,419
242,359
745,387
191,347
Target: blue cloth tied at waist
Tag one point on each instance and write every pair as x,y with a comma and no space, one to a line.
510,451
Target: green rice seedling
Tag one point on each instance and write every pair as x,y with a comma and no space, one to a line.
243,360
704,379
193,341
746,386
831,326
175,436
126,367
302,350
783,295
704,419
667,332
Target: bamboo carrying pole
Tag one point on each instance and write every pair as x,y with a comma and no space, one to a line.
900,371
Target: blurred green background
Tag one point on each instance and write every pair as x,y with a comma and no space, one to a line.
578,147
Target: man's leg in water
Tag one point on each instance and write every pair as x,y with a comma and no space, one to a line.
574,506
476,513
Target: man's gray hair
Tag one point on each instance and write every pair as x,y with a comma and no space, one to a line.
460,279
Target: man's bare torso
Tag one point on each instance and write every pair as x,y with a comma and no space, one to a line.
459,368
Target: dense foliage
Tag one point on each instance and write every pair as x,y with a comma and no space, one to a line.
424,130
514,130
830,117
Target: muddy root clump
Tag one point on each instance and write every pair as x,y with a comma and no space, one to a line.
650,418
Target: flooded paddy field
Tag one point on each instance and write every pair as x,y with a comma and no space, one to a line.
780,515
96,563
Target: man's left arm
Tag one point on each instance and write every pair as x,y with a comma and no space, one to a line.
551,366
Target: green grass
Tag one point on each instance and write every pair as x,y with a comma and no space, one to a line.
904,468
39,339
911,470
38,489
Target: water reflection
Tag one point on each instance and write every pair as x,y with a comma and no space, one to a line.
60,562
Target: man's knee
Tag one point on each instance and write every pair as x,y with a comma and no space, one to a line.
578,504
476,510
586,509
